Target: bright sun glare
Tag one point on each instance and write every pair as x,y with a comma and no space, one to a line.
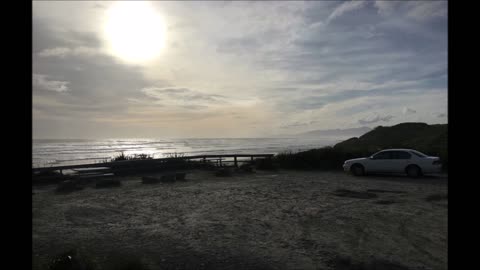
134,31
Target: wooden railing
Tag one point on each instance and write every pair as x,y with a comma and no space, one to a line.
107,166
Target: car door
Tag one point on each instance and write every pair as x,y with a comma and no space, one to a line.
400,160
380,162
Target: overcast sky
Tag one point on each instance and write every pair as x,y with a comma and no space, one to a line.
241,69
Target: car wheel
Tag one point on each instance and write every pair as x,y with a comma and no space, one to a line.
413,171
357,170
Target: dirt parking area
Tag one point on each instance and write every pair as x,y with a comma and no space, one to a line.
264,220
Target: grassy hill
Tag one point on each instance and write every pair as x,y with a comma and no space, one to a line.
429,139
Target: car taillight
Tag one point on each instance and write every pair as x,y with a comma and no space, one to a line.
436,162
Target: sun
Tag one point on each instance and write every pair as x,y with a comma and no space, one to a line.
134,31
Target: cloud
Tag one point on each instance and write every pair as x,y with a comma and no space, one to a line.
59,51
440,115
386,7
183,97
243,45
371,57
62,52
345,7
375,119
98,79
296,124
408,111
427,10
307,103
419,11
42,82
99,6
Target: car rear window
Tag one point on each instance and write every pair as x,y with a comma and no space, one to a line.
418,154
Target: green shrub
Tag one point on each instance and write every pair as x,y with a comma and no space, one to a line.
325,158
123,157
120,157
264,164
174,155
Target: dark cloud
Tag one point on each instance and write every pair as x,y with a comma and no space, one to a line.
98,77
90,75
96,82
45,37
42,36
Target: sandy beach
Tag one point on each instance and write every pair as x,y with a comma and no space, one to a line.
264,220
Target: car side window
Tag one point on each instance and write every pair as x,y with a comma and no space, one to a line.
401,155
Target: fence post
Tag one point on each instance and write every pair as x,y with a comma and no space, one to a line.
235,161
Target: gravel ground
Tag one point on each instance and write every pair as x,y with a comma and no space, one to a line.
264,220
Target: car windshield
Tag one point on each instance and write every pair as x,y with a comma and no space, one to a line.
382,155
418,154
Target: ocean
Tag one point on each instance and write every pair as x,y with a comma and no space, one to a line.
54,152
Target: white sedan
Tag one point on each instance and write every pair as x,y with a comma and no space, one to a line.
411,162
